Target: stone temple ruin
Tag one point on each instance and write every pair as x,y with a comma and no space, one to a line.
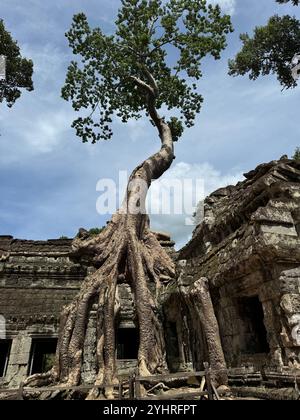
247,249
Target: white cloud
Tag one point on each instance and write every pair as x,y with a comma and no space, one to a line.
227,6
136,128
39,121
49,62
211,178
241,125
46,133
34,134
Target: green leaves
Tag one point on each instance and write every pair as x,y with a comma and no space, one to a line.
295,2
270,50
95,231
159,43
176,128
296,155
18,69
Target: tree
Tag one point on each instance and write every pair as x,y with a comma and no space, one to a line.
132,74
270,50
295,2
19,70
297,154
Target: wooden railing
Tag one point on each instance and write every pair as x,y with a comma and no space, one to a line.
134,385
19,392
211,393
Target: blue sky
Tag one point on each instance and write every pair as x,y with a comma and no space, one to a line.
48,178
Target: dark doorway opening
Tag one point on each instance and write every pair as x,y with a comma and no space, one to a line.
254,340
127,340
5,346
42,355
172,346
172,339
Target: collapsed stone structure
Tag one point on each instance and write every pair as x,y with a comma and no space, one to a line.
235,303
248,247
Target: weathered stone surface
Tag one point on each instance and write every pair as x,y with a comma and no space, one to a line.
37,279
248,246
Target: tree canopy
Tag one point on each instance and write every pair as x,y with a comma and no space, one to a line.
296,155
295,2
19,70
156,43
270,50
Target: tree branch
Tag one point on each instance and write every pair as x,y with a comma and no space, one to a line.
162,44
143,85
151,96
158,121
151,80
151,26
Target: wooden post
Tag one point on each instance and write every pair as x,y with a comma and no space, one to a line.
20,392
208,381
137,386
215,392
120,389
131,387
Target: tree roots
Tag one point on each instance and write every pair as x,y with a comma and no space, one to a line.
118,254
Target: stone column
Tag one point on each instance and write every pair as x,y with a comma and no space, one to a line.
19,359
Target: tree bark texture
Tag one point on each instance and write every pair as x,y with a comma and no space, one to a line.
199,302
125,251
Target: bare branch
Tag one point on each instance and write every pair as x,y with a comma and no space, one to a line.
151,80
151,26
151,94
162,44
130,48
140,83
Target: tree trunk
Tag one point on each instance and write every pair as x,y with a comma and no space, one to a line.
200,304
125,251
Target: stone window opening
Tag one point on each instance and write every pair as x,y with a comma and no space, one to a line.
253,331
127,343
5,346
42,355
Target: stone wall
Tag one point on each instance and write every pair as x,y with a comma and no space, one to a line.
37,278
248,247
